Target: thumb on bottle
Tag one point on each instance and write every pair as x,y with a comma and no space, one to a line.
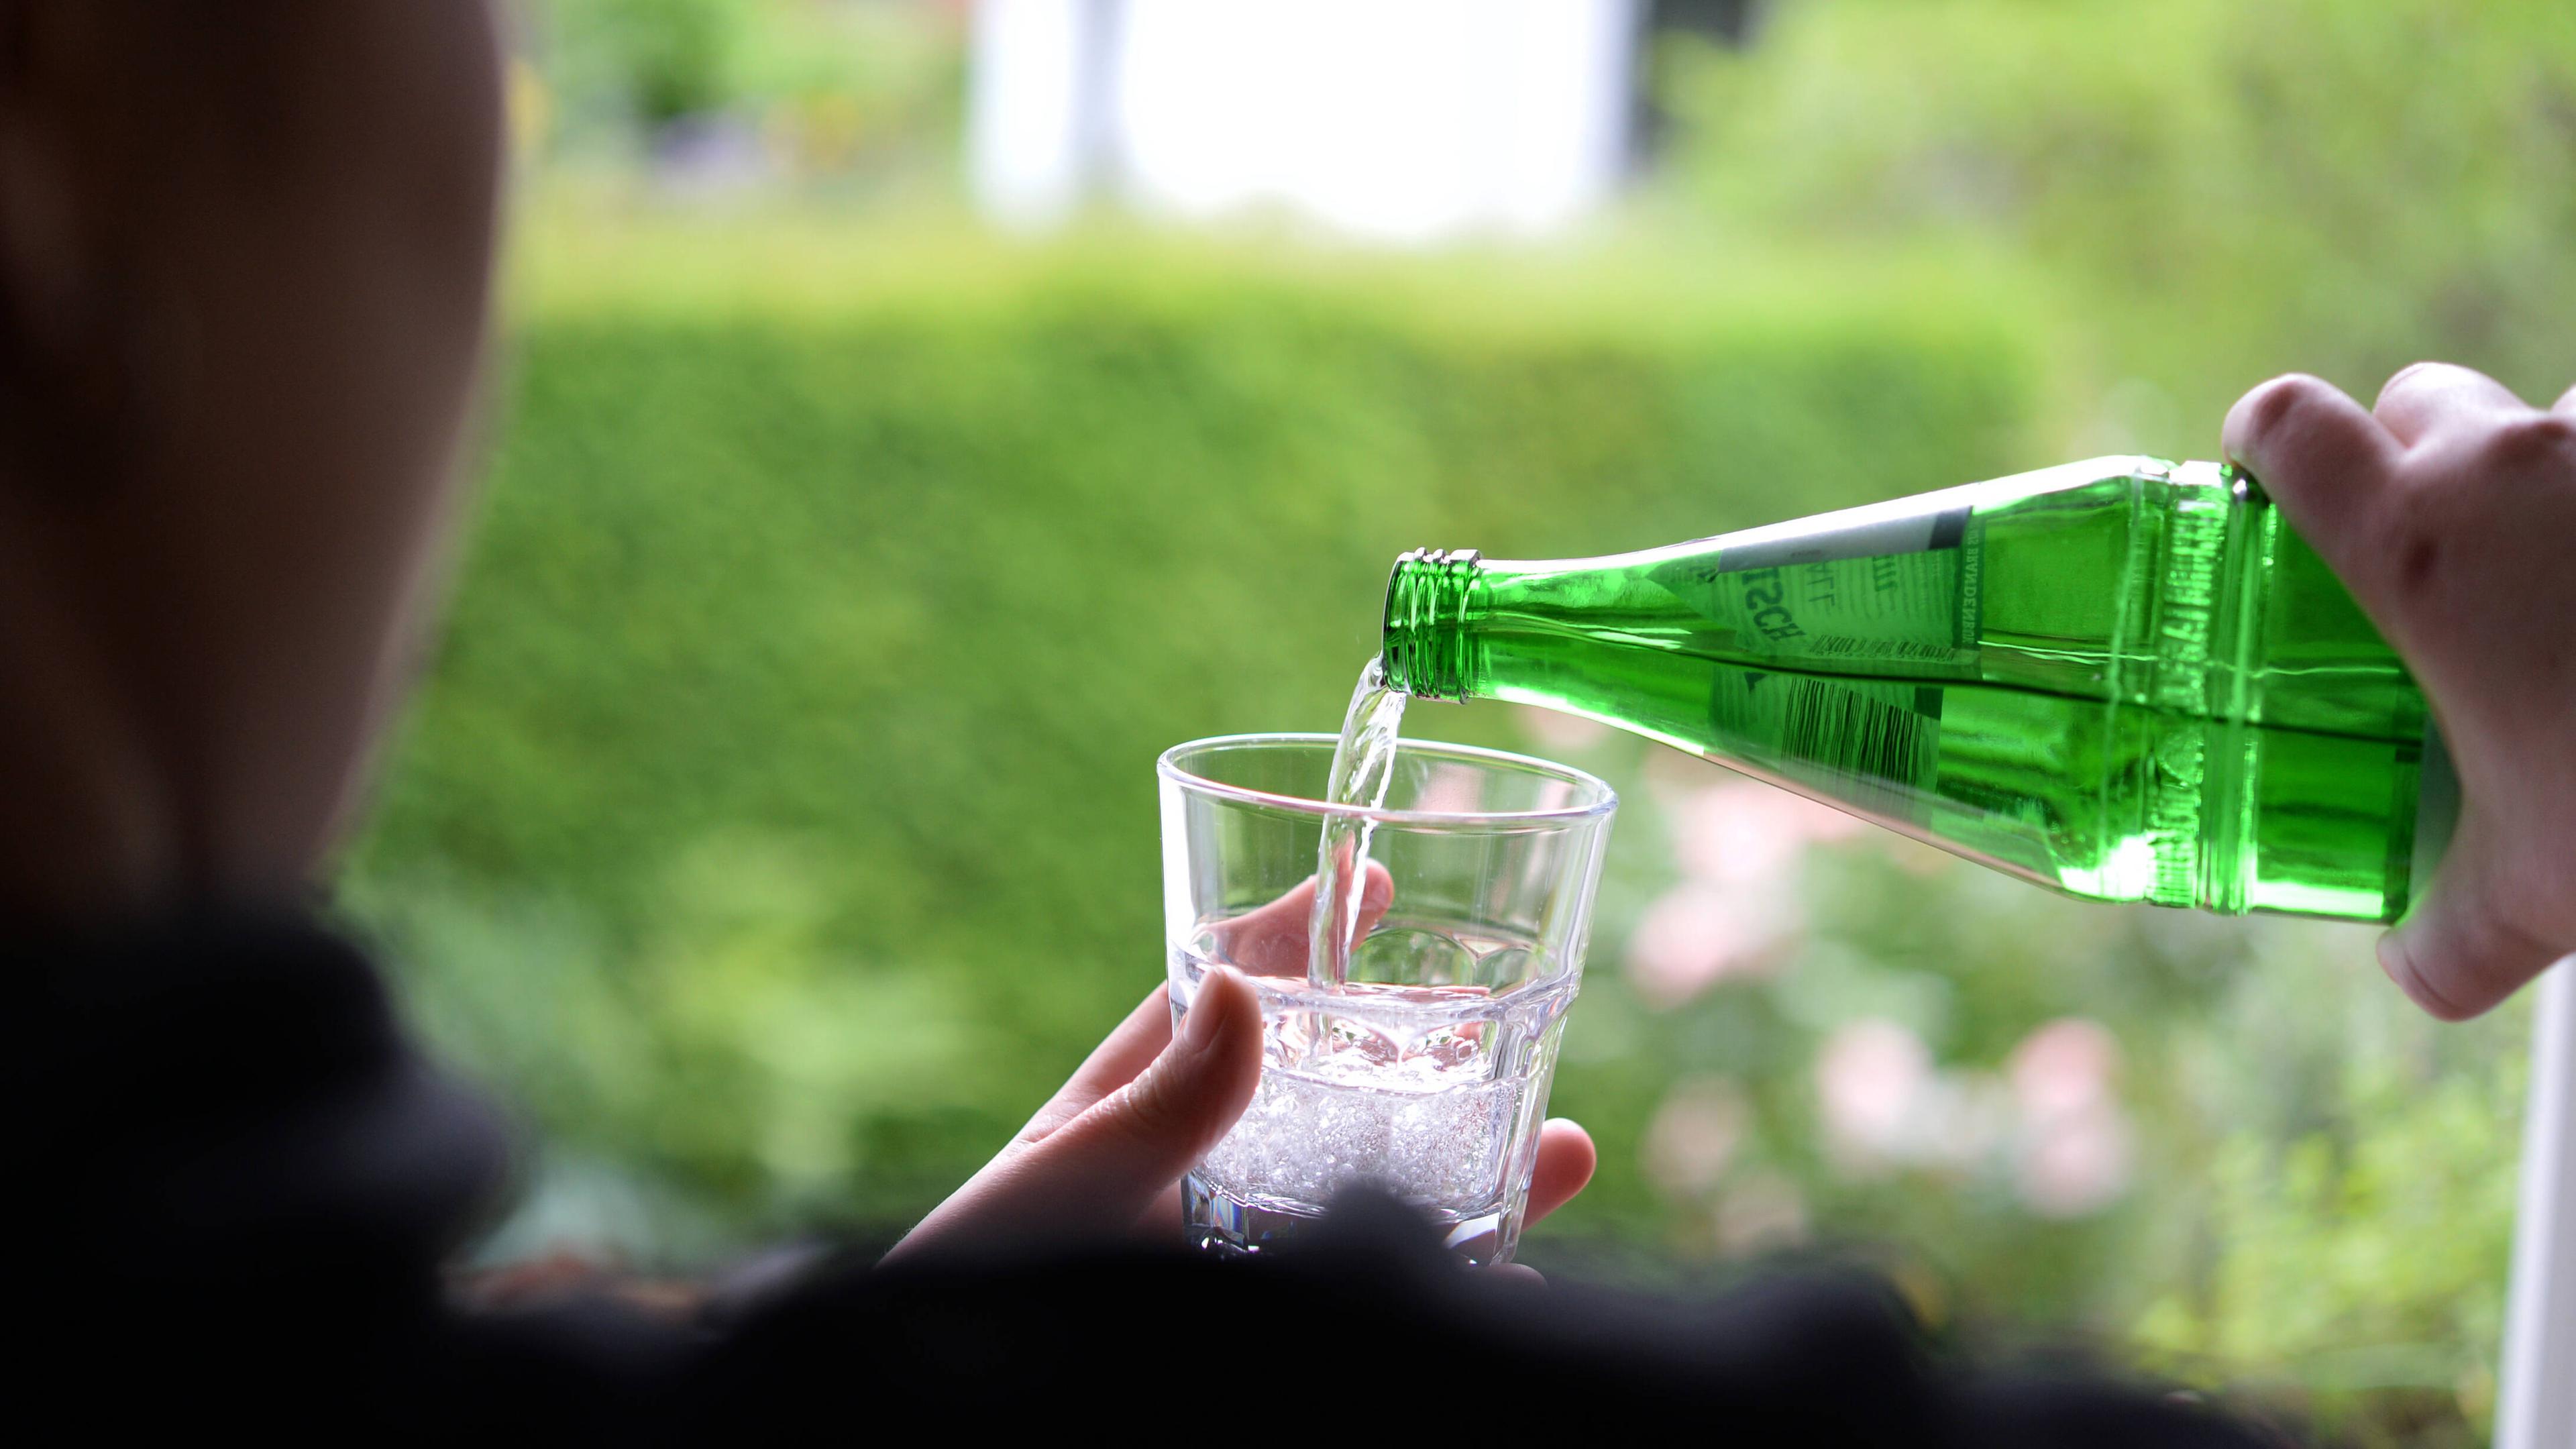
2328,464
2456,954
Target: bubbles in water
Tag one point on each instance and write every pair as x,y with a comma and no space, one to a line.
1308,1134
1412,1087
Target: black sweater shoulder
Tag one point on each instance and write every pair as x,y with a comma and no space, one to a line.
246,1183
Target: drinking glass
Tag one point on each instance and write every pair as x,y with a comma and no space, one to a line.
1425,1071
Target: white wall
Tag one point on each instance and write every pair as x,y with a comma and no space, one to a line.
2539,1408
1024,140
1397,121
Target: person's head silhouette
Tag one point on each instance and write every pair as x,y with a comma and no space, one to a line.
245,259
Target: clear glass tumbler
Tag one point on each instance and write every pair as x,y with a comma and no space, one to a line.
1425,1073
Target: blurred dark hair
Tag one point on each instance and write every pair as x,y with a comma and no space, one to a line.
116,116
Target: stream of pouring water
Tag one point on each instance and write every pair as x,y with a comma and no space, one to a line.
1363,764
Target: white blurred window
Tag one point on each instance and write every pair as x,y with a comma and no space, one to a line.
1403,121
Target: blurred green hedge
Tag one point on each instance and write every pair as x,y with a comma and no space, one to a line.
2212,191
777,821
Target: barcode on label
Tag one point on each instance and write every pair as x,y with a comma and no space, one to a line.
1876,754
1846,647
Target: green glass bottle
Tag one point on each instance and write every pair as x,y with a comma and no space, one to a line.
2124,679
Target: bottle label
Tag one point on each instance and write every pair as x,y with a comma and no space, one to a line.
1872,746
1866,592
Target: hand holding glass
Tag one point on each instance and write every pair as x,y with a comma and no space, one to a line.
1426,1072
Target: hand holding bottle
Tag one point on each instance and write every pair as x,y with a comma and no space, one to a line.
2448,510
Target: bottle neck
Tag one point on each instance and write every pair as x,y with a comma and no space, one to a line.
1423,649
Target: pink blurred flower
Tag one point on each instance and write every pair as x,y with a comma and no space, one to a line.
1873,1079
1693,1136
1696,935
2076,1166
2063,1067
1737,911
2074,1153
1744,832
2054,1120
1557,732
1451,792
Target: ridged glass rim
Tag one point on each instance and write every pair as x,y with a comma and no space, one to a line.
1168,767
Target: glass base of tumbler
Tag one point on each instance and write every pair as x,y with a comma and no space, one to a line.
1216,1221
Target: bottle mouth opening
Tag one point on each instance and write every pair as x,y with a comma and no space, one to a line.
1423,649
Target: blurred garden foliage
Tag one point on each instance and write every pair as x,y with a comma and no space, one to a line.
2209,191
776,826
822,89
806,675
